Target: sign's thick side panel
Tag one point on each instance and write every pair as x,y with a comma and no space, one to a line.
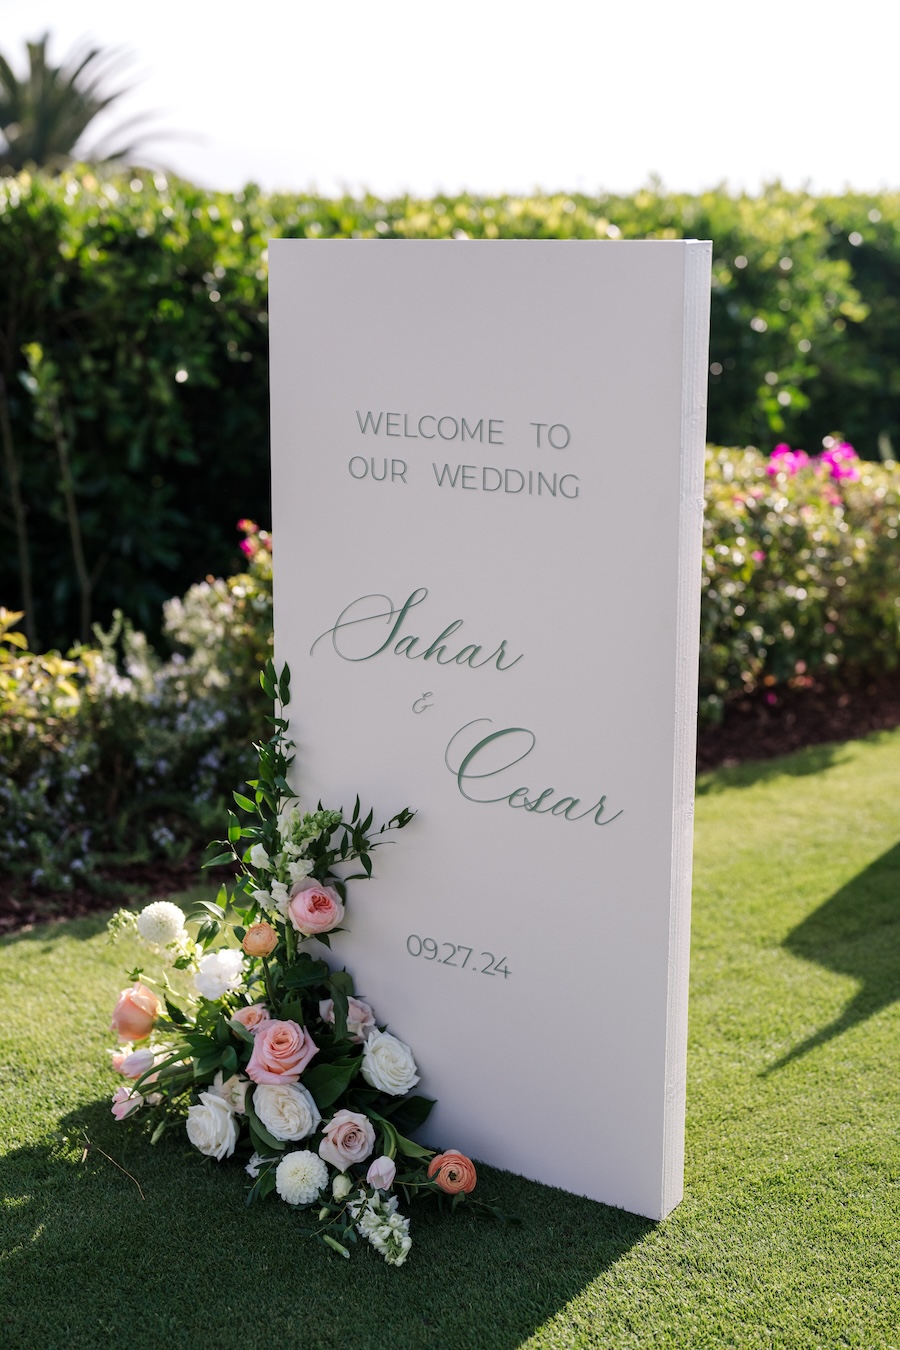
485,487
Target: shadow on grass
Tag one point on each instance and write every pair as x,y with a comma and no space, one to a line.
856,932
88,1260
49,933
814,759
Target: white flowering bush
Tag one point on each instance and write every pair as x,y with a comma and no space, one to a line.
113,755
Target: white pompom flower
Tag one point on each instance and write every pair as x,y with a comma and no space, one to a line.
299,1177
219,973
161,923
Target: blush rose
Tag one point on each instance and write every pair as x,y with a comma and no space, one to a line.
135,1013
314,908
252,1018
348,1138
281,1051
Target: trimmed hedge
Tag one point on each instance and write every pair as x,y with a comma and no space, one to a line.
133,396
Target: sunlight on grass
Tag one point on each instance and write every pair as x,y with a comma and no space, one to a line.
788,1233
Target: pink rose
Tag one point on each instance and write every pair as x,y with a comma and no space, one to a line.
314,908
281,1051
135,1013
125,1101
360,1017
349,1138
253,1017
381,1173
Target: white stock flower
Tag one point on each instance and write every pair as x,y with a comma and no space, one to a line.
300,870
219,973
281,897
161,923
256,1163
287,1110
388,1064
299,1177
387,1230
263,898
211,1127
259,858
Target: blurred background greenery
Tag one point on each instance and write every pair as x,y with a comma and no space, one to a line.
134,402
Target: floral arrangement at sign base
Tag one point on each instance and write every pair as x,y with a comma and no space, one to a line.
262,1051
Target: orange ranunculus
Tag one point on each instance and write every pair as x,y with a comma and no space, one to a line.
453,1172
135,1013
260,939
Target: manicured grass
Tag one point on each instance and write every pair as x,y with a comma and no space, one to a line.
788,1235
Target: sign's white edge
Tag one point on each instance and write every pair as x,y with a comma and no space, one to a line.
698,255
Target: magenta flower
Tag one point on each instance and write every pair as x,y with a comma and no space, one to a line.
841,460
247,548
785,460
758,556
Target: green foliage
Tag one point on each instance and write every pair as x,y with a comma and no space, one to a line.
799,574
146,297
111,754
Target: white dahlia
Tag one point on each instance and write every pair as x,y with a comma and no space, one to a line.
299,1177
161,923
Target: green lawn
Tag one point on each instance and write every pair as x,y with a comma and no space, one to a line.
788,1235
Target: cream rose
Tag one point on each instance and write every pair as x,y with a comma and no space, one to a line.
211,1127
388,1065
287,1110
349,1138
281,1051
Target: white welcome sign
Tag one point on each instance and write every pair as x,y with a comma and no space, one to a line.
487,488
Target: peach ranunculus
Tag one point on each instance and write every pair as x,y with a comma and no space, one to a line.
135,1013
254,1017
260,939
281,1051
314,908
453,1172
348,1138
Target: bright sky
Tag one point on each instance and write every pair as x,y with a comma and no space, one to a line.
502,95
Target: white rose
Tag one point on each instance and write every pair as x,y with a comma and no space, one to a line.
232,1090
287,1110
388,1065
259,858
219,973
211,1127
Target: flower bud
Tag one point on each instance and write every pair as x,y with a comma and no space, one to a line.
323,1214
260,939
341,1186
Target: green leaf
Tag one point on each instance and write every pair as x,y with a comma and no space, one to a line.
326,1082
412,1113
244,802
175,1013
266,1140
219,859
229,1060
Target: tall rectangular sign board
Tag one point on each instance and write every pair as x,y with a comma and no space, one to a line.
487,492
